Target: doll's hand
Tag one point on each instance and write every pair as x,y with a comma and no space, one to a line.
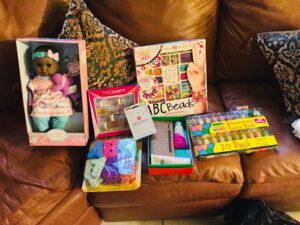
40,91
196,76
196,71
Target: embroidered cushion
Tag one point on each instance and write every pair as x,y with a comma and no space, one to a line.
109,54
282,51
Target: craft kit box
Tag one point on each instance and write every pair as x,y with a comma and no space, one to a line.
172,77
113,165
53,74
242,131
107,109
169,150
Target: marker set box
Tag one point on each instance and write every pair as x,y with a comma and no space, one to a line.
242,131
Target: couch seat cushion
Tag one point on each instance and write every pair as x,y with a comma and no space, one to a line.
218,178
33,179
268,175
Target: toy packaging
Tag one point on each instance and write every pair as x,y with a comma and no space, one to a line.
53,76
242,131
140,121
172,77
113,165
107,109
169,150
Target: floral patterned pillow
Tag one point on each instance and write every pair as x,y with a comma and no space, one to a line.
282,51
109,56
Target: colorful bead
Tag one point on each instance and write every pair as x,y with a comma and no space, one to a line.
110,149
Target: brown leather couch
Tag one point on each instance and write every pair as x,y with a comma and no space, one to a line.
42,185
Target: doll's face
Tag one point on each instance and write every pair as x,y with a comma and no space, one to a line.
45,66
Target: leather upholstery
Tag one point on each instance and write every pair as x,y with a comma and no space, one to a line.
37,182
40,185
268,175
73,209
165,211
241,19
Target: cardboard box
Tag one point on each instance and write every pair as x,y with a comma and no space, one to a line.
113,165
107,109
219,134
69,89
179,161
172,77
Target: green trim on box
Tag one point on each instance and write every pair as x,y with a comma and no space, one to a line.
184,121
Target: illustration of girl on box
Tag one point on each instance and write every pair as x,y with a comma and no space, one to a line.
49,91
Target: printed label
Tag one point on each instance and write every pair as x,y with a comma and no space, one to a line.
244,144
140,121
238,124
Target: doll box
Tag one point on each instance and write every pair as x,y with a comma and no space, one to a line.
163,156
107,109
72,63
242,131
172,77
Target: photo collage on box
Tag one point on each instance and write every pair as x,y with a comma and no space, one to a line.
170,73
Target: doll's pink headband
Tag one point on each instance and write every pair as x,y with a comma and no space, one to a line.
49,54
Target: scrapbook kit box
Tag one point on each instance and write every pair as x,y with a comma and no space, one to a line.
242,131
172,77
169,150
107,109
53,76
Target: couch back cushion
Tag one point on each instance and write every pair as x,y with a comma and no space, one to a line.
241,19
35,18
149,22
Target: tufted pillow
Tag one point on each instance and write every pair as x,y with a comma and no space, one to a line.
109,54
282,51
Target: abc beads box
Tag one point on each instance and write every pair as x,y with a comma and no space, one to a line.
172,77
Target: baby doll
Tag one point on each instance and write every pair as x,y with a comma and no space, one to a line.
51,106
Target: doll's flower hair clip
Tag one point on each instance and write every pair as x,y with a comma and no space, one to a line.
49,53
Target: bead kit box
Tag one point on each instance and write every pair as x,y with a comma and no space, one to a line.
53,74
169,150
172,77
242,131
107,109
113,165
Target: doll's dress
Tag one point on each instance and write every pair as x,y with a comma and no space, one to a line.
48,102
